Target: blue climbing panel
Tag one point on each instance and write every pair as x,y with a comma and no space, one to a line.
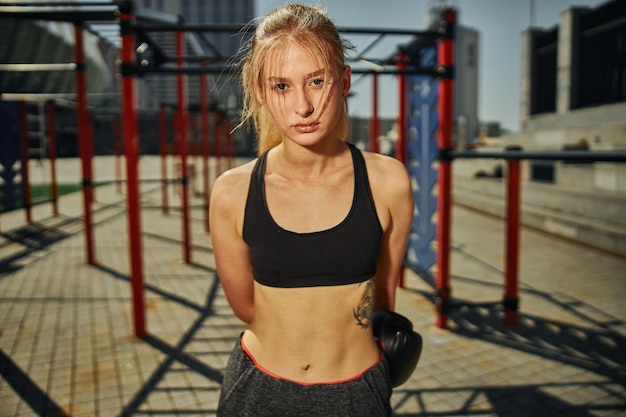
422,161
10,161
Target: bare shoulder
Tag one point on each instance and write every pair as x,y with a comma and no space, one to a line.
236,175
231,187
386,171
391,189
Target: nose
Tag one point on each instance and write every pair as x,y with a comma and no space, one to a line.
304,107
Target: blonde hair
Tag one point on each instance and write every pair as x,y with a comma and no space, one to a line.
311,28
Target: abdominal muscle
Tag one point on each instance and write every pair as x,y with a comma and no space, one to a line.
310,335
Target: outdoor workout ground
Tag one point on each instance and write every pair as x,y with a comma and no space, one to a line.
67,344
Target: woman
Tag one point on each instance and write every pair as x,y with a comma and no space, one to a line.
308,238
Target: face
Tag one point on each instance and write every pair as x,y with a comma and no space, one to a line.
304,97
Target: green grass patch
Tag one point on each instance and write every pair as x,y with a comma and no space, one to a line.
43,191
40,193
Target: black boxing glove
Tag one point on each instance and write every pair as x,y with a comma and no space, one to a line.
401,345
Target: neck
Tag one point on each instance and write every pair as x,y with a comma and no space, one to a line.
309,162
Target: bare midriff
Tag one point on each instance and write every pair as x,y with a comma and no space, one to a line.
310,335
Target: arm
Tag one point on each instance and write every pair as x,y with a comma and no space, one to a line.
226,214
394,195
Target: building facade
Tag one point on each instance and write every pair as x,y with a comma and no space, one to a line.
573,98
216,46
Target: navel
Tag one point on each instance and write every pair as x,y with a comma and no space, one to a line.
306,367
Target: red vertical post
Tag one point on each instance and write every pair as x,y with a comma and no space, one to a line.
445,108
374,124
182,126
163,152
204,134
52,155
175,148
401,144
84,137
131,145
24,161
511,300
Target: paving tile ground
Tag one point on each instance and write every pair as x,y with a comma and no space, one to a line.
68,348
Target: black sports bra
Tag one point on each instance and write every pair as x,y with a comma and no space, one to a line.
344,254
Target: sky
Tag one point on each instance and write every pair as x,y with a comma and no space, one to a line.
500,24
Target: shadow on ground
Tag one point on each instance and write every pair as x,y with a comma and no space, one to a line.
592,346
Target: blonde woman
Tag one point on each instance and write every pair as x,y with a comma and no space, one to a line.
309,237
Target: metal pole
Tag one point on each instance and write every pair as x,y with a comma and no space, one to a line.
52,155
401,144
445,56
374,126
182,126
84,137
131,149
402,110
195,152
511,300
574,156
204,134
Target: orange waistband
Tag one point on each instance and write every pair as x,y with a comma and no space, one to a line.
273,375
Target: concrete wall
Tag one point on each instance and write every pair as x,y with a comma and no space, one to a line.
584,202
600,117
600,128
583,213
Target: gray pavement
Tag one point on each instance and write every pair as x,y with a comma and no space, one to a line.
67,344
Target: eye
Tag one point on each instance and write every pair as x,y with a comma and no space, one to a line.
317,82
280,86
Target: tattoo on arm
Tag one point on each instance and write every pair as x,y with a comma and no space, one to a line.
363,312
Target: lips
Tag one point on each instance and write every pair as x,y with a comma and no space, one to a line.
306,128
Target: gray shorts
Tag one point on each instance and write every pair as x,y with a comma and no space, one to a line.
249,391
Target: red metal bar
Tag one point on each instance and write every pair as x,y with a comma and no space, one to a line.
163,152
24,161
176,152
131,149
445,108
52,155
375,123
204,134
511,300
84,136
182,126
401,144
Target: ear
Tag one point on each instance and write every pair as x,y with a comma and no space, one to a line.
259,94
346,80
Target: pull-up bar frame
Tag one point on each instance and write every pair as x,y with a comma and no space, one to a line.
124,12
